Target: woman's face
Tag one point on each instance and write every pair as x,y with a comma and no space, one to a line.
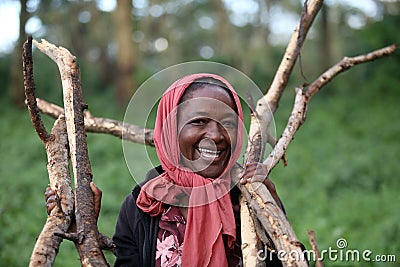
207,130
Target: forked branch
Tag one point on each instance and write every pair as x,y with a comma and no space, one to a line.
88,237
60,218
303,97
261,202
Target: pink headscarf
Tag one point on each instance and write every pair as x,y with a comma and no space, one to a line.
210,213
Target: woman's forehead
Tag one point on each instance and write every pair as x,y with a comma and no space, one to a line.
211,92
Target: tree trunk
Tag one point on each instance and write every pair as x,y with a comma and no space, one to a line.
16,88
125,57
224,32
326,40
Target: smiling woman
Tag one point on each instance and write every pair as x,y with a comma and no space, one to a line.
185,212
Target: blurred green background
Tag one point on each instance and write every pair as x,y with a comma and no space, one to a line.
342,180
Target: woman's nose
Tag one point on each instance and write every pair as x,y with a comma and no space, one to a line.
215,131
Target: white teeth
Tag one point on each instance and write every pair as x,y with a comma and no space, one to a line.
207,153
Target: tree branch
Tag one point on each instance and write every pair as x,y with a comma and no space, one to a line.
296,119
344,65
59,220
93,124
261,202
313,242
29,84
250,241
273,221
310,11
86,222
302,99
258,197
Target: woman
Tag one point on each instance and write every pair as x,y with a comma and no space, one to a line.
182,214
185,213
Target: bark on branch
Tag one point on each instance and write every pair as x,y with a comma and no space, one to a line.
250,239
123,130
303,97
345,64
29,84
310,11
59,220
260,201
313,242
87,242
259,198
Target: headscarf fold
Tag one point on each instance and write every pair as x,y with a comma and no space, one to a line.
210,213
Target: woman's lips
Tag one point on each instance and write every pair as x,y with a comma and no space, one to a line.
209,154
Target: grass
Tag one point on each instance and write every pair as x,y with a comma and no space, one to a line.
341,181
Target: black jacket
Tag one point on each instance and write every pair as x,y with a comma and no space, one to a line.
136,232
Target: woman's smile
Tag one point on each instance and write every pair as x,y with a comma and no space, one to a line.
209,154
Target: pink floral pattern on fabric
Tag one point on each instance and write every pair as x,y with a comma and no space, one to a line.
170,238
171,231
169,251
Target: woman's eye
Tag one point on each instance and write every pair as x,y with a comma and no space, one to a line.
198,122
229,124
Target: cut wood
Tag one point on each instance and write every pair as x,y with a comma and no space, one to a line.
87,235
59,220
259,198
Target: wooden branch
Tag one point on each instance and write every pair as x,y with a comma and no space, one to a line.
273,221
250,241
258,197
302,99
267,105
29,84
296,119
344,65
313,242
261,202
59,220
93,124
86,222
282,75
